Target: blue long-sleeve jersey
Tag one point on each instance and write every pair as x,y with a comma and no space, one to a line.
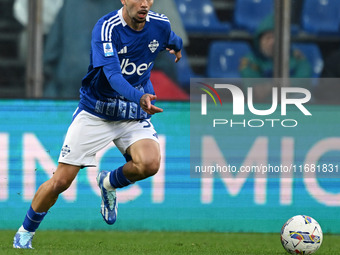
120,65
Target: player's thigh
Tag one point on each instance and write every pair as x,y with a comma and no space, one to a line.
145,151
140,141
85,137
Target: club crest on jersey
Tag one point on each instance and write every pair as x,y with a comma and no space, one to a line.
65,150
108,49
153,45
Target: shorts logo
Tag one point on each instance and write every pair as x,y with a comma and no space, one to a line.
108,49
153,46
65,150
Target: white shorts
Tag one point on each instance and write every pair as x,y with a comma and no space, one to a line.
88,134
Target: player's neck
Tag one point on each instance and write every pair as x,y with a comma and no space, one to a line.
133,23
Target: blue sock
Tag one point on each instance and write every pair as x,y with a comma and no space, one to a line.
33,220
118,179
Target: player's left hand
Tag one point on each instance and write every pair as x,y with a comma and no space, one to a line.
145,103
178,54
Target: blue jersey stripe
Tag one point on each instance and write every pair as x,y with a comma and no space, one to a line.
105,26
110,28
158,18
157,14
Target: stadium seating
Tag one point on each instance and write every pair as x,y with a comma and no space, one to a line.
184,71
248,14
199,16
313,55
321,16
224,58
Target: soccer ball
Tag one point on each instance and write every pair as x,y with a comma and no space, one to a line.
301,234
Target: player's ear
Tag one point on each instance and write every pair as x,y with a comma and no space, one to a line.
123,2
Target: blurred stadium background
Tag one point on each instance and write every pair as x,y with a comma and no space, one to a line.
41,68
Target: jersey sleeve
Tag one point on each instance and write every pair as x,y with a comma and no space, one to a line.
122,86
104,55
175,42
103,52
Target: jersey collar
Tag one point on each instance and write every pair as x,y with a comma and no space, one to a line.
120,13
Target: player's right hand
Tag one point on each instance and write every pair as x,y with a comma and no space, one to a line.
145,103
178,54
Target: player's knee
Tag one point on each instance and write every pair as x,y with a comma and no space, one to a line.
60,185
150,167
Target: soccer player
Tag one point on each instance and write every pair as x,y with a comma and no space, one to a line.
116,103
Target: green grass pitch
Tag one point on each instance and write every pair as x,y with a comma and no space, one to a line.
160,243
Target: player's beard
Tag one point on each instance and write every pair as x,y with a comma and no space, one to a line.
138,21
